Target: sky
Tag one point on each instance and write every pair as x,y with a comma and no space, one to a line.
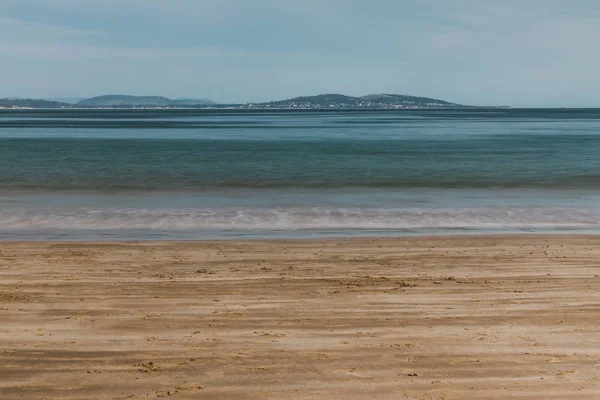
523,53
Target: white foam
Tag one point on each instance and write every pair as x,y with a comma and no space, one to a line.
299,218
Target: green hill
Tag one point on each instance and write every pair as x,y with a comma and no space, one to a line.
371,101
401,99
115,100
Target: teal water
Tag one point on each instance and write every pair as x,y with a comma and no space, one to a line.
132,174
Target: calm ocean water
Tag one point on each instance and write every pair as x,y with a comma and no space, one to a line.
179,174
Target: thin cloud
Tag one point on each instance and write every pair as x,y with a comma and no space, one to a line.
66,52
43,30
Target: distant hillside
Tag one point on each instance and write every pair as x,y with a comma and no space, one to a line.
370,101
115,100
31,103
321,101
70,100
407,100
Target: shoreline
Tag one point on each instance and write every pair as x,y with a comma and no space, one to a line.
275,237
428,317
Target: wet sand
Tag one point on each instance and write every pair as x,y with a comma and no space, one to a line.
486,317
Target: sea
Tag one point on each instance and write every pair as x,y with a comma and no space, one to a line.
248,174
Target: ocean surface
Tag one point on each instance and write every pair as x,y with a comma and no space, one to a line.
204,174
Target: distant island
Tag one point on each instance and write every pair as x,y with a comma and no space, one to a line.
322,101
116,100
342,101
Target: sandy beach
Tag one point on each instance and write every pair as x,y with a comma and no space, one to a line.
455,317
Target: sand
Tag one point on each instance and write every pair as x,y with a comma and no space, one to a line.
462,317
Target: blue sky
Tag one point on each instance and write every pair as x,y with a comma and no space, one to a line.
480,52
